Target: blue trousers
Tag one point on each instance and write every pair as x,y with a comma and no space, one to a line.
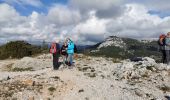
70,58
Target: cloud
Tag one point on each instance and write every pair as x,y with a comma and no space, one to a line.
104,9
93,4
158,7
9,14
35,3
92,29
138,23
88,22
36,26
62,15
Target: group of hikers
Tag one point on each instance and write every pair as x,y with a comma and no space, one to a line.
66,52
164,43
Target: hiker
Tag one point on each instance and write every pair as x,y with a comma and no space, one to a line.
54,50
70,51
167,48
161,43
63,52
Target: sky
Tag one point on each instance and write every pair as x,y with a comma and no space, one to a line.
84,21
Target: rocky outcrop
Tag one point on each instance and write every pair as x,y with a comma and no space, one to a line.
33,63
113,41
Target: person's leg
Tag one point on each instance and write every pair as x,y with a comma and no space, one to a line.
57,63
167,56
71,59
164,56
63,59
68,59
54,61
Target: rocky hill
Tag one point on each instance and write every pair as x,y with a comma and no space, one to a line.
117,47
92,78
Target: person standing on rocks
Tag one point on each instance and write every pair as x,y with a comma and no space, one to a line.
161,43
167,48
63,52
55,51
70,51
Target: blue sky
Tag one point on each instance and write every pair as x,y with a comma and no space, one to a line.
27,9
85,21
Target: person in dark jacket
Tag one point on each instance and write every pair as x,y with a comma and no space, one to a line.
55,51
63,53
161,43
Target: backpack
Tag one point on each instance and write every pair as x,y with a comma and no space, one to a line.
53,48
75,48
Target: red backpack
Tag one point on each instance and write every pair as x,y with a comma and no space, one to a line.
53,48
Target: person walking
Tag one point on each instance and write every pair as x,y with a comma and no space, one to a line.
167,48
70,51
55,51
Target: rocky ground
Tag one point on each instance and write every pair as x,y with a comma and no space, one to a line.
92,78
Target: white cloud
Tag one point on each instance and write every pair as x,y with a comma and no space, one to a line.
91,26
104,9
91,30
138,23
62,15
9,14
94,4
158,5
35,3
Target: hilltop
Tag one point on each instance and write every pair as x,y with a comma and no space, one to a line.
92,78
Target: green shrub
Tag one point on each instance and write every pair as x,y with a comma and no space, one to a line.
51,89
18,49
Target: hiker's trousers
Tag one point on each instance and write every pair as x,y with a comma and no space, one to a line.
167,56
70,58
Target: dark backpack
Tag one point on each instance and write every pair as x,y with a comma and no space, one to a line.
75,49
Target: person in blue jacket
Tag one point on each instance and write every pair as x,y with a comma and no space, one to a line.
70,51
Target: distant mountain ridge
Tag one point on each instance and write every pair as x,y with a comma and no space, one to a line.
118,47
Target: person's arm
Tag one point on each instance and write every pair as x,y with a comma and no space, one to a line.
167,41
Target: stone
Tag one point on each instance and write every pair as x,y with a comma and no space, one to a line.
28,82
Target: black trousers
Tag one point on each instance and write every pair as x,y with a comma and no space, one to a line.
56,61
164,58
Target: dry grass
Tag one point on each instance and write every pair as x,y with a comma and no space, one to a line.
22,69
